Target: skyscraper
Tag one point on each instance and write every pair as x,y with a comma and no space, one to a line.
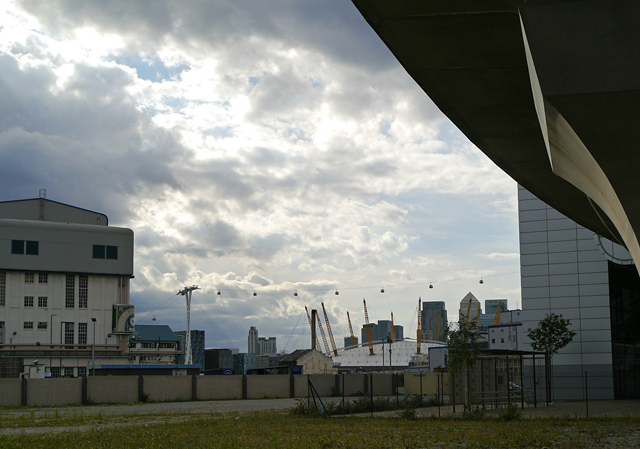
470,304
252,344
434,320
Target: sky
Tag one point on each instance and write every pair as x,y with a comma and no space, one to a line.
256,146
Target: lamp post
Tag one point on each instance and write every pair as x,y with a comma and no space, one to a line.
382,340
93,348
389,341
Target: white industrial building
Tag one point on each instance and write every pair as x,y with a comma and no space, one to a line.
395,356
64,285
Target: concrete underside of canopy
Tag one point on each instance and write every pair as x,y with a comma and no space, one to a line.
549,90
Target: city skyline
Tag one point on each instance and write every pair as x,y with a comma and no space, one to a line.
275,148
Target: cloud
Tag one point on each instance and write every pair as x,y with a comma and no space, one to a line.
268,146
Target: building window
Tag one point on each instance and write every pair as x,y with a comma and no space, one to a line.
28,301
148,345
1,326
105,252
55,371
68,333
166,345
3,288
42,325
42,302
69,295
82,371
502,340
28,325
43,278
29,247
82,334
493,340
83,288
28,278
68,371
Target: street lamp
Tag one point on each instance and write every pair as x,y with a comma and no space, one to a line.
93,347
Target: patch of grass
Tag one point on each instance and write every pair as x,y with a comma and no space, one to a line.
278,430
510,413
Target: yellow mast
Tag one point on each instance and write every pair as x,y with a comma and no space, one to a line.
326,319
353,339
311,324
496,320
393,330
366,319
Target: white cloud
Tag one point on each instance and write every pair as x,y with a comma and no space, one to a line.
268,146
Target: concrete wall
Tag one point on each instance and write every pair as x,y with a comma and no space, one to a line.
168,388
44,393
124,389
276,386
354,384
325,384
10,392
382,385
111,389
219,387
429,383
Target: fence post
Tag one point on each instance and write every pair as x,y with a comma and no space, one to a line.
84,389
371,391
586,392
244,386
292,386
420,384
140,388
194,388
24,392
343,389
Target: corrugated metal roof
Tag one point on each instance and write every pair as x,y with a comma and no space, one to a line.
147,332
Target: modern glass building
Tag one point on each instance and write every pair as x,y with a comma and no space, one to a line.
567,269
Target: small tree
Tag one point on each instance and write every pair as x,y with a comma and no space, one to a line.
462,344
551,335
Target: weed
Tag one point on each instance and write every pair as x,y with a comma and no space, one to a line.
144,397
475,413
407,413
510,413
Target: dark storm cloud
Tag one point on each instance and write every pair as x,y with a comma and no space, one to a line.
88,143
200,24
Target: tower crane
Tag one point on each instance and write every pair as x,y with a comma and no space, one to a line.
419,339
310,325
353,338
366,319
326,319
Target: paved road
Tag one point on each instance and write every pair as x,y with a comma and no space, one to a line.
560,409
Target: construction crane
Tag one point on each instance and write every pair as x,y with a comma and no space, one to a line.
393,330
419,327
496,320
324,339
353,338
311,325
437,336
366,319
326,319
478,319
